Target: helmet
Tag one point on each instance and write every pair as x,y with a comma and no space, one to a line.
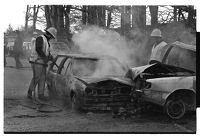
52,31
156,33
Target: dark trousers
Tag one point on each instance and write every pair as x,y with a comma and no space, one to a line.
39,78
17,60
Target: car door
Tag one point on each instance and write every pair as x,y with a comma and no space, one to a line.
62,80
52,73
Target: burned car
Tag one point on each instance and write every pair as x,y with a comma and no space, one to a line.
89,82
167,85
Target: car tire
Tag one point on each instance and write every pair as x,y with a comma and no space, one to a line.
175,108
75,104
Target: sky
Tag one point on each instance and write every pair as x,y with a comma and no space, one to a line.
15,16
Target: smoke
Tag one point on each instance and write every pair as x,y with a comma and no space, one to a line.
180,57
133,51
106,42
178,32
103,42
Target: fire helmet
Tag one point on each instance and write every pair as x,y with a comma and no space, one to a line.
52,31
156,33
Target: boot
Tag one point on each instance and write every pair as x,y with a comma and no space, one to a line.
29,95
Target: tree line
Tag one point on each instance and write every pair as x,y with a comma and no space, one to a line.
62,17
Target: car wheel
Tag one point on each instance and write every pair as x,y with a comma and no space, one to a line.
175,109
75,104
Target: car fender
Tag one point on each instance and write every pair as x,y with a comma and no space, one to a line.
161,88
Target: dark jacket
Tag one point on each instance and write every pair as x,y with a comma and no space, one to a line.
17,48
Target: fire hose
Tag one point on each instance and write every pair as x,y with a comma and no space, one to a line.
44,107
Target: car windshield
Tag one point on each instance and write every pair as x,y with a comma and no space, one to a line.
97,67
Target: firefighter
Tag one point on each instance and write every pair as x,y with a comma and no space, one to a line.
32,47
35,34
38,60
159,47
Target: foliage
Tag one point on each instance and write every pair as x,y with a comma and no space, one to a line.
69,19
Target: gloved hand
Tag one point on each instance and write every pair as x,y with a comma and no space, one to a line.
51,58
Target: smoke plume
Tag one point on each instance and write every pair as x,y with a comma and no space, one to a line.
106,42
131,52
180,57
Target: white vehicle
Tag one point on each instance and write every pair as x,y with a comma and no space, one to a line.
172,87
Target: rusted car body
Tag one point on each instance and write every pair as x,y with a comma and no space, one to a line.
166,85
73,77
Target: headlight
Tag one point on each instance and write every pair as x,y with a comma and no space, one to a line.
88,91
142,84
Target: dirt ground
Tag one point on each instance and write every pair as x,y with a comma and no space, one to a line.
20,115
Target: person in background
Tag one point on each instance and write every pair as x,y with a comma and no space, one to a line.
5,50
38,60
18,49
159,47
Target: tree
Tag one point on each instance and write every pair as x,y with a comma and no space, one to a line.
125,19
92,16
60,20
67,10
9,30
47,16
84,15
27,17
191,20
101,16
32,16
35,15
138,16
109,19
175,14
154,15
58,16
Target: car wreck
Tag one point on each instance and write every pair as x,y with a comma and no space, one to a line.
172,87
80,80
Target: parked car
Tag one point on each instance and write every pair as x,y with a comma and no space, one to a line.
172,87
89,82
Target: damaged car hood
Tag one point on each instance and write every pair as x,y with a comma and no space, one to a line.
133,73
89,80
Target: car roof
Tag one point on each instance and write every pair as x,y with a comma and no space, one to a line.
184,46
93,57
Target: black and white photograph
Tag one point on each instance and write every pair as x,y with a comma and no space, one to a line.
100,69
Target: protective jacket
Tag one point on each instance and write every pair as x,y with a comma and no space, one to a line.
158,51
38,54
